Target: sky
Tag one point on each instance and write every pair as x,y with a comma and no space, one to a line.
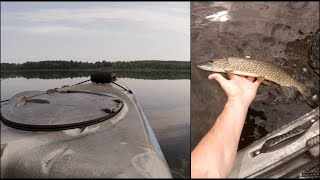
95,31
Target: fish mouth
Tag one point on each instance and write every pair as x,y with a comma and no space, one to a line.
205,66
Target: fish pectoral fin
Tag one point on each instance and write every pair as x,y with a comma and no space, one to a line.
228,71
289,91
265,82
260,78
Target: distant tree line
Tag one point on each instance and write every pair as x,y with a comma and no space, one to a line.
65,65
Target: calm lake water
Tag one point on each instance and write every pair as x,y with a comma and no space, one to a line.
165,101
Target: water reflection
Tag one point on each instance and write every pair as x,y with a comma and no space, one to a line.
284,33
74,74
166,104
219,16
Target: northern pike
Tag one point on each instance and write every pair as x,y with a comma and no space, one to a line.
259,69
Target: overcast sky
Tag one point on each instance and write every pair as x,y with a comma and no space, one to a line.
95,31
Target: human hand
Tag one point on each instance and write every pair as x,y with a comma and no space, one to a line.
239,88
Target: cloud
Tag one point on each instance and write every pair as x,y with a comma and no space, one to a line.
50,29
112,31
149,17
53,30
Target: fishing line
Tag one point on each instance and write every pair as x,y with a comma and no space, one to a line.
101,77
82,82
123,87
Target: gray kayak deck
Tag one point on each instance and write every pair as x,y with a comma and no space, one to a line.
122,147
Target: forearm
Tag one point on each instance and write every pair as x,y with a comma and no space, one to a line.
216,152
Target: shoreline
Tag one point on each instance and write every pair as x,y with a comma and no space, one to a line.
104,69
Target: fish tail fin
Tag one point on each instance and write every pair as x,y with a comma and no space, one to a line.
291,93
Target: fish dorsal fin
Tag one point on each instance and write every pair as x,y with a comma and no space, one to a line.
289,91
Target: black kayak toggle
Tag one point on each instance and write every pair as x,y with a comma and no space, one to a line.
105,77
102,77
